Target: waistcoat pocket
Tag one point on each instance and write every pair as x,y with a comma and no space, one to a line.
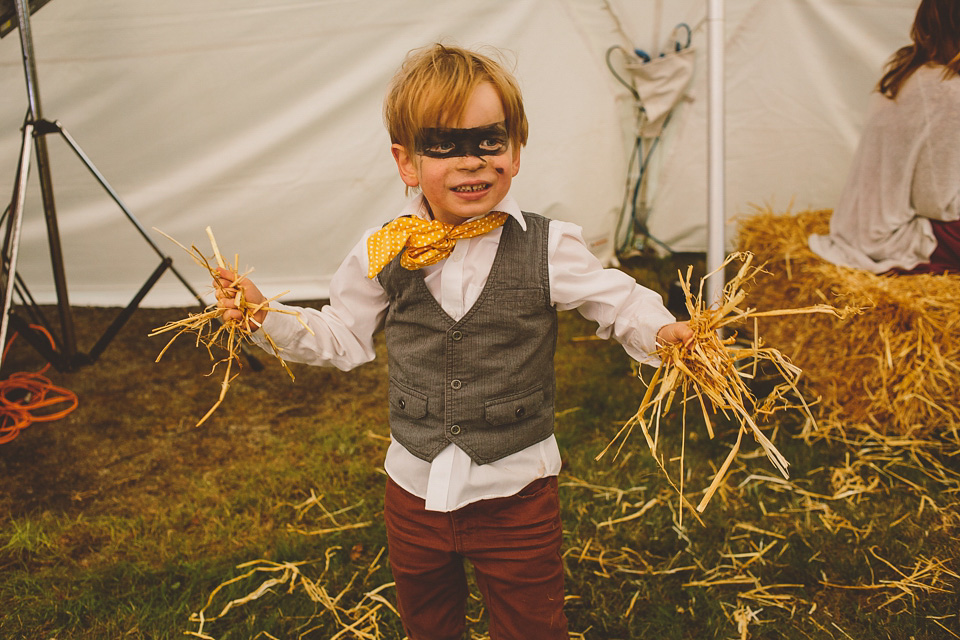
407,401
514,408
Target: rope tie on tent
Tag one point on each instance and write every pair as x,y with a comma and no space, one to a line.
640,157
28,397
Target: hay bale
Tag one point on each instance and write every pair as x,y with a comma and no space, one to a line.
894,368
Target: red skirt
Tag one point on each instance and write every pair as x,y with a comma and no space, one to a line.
946,257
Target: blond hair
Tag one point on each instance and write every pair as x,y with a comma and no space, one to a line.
433,85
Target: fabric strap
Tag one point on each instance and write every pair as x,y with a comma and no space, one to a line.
423,242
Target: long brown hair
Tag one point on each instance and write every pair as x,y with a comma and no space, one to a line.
936,40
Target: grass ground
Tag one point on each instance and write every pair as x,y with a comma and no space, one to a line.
123,519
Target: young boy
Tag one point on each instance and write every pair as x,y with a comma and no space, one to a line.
466,288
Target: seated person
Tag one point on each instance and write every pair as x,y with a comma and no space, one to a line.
899,211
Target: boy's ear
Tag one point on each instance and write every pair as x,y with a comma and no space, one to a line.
406,165
516,162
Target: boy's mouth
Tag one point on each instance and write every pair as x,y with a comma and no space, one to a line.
471,188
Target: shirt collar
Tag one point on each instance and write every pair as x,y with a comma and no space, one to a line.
418,207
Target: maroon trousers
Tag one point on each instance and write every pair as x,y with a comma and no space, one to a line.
513,544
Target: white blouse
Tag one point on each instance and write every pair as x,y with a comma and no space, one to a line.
906,172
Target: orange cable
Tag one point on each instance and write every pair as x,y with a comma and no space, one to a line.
35,392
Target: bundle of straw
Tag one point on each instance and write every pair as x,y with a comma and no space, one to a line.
713,368
227,335
896,367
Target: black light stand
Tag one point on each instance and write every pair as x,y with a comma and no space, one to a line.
64,355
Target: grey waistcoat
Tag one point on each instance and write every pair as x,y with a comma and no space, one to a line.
485,383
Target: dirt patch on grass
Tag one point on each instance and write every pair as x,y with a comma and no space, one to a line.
133,439
126,506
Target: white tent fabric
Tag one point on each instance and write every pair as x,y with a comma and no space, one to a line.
262,120
798,77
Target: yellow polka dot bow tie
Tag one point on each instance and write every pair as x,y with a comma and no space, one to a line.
426,241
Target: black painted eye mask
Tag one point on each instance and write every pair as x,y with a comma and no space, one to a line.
489,140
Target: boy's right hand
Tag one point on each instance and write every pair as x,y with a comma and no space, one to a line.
226,290
675,332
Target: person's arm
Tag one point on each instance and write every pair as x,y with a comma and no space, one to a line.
624,310
935,192
340,334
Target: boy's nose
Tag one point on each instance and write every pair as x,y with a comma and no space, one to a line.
473,162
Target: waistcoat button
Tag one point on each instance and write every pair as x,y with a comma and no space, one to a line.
402,403
520,412
456,335
455,429
456,384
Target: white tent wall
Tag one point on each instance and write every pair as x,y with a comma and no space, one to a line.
263,121
798,77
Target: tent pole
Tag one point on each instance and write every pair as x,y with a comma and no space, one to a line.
716,216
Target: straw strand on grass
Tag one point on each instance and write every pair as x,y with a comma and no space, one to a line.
360,620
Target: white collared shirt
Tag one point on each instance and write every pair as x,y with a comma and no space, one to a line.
344,331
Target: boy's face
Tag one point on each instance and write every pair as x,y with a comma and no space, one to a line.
466,169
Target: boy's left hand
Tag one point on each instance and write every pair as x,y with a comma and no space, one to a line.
675,332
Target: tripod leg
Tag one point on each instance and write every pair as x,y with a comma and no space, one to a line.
37,128
254,363
35,117
23,328
116,198
67,327
127,311
11,240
